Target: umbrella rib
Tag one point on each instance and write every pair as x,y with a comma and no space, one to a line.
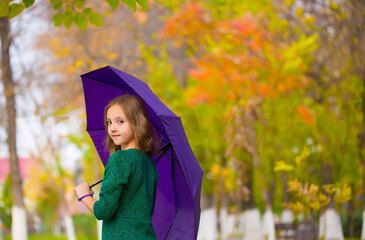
175,193
173,180
96,129
163,127
164,149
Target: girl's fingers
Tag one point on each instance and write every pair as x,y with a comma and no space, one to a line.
82,189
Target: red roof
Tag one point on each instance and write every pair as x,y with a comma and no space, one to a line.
24,164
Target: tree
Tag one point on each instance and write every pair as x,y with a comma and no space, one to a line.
69,12
19,224
337,72
238,58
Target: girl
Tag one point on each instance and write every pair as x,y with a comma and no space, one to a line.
127,195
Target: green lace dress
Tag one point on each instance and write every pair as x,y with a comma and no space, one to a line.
127,196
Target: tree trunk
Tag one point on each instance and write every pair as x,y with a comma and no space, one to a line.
362,141
250,204
66,217
19,220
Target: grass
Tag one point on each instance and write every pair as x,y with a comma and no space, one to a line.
49,237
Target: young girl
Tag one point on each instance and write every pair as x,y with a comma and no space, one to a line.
127,195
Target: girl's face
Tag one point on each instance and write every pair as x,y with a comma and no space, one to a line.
119,128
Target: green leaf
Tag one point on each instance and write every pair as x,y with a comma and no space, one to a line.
68,19
113,3
68,9
28,3
143,4
58,19
15,9
4,8
53,1
80,21
95,19
78,3
58,5
87,11
131,4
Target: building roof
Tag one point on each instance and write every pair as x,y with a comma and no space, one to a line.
24,164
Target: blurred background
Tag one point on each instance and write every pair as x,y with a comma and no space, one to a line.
270,93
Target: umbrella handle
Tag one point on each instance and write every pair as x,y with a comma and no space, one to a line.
96,183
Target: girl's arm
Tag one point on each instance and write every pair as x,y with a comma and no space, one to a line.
82,190
89,203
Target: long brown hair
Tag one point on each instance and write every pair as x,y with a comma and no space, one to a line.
135,111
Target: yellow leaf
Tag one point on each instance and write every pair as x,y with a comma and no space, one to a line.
289,2
343,195
296,207
333,5
309,20
109,42
323,200
78,63
304,155
295,186
282,166
226,172
329,188
215,170
313,189
112,56
300,12
315,205
141,17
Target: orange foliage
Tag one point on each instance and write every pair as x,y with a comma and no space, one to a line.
305,114
189,23
240,57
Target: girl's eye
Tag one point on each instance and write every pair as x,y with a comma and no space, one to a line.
120,121
109,122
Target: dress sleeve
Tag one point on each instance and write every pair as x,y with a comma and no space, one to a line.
116,175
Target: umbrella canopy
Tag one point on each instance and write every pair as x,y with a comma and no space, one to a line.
177,207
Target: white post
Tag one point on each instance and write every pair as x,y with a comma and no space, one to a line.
363,226
19,229
252,225
330,225
208,225
99,224
223,223
268,229
70,230
287,218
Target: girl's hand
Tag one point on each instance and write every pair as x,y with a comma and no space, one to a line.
83,189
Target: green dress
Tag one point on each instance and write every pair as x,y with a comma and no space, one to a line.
127,196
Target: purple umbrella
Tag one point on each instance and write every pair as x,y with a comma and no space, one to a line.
177,207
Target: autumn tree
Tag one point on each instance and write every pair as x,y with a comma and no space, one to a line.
335,95
239,66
